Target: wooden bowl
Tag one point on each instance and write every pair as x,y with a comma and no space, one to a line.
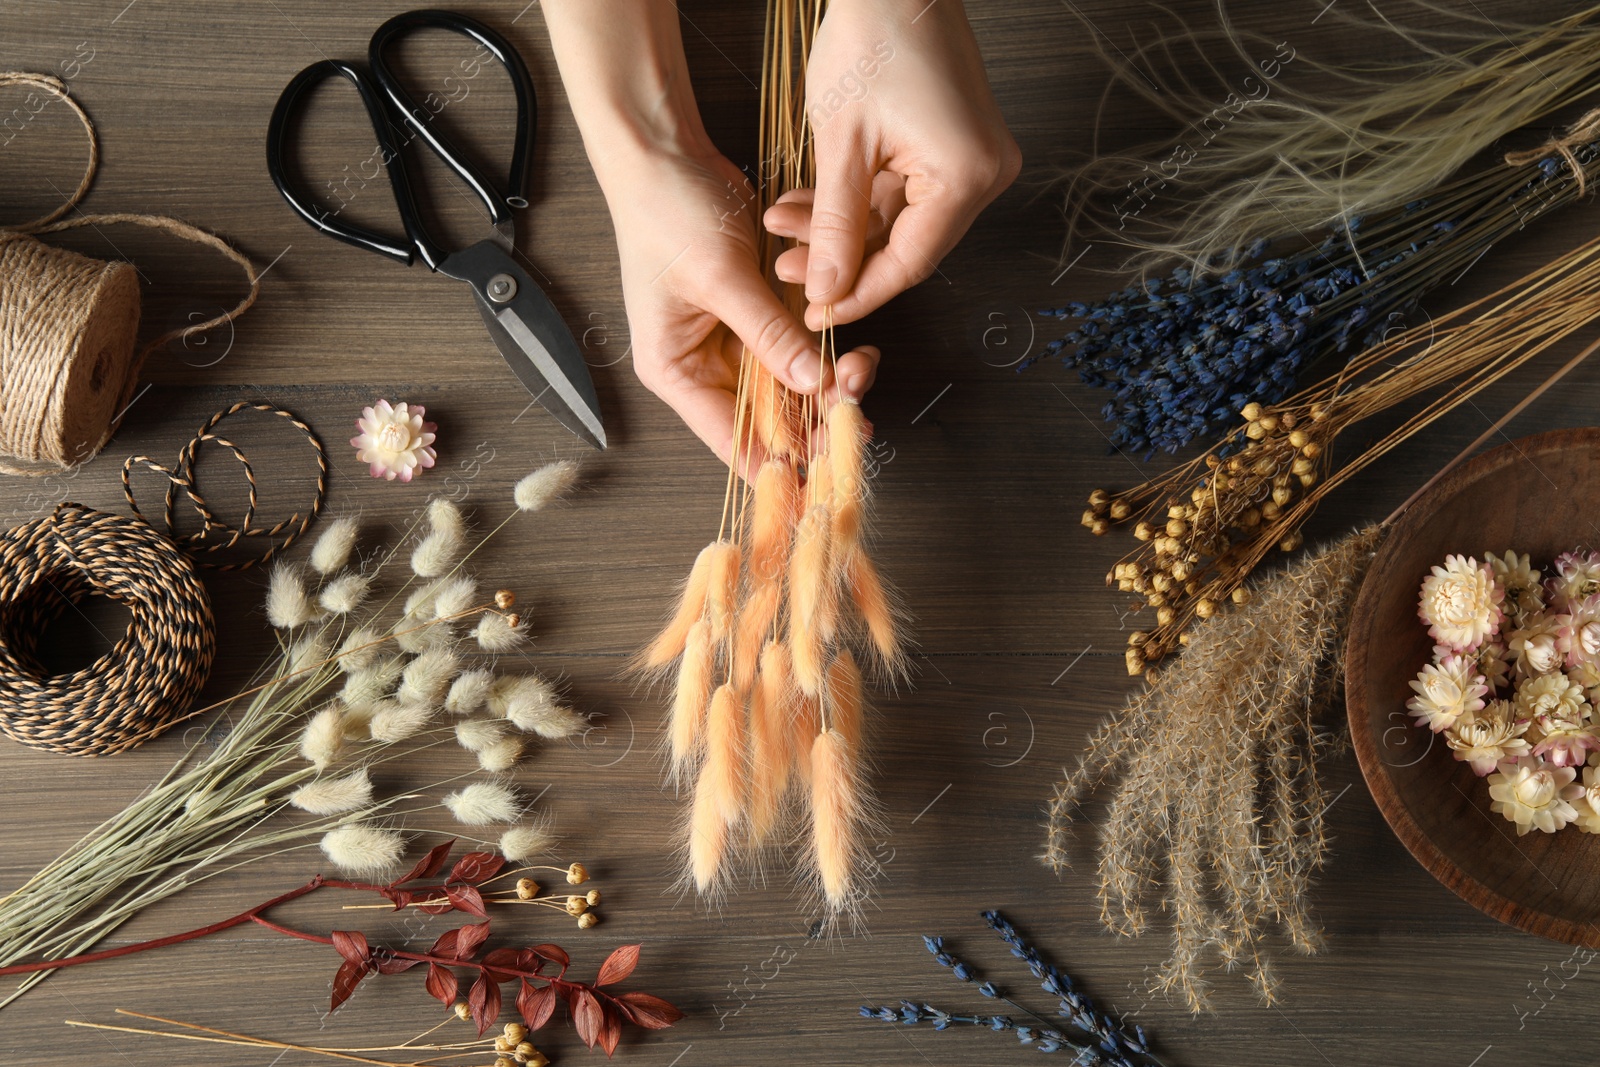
1539,495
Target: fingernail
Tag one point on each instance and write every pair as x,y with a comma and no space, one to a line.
855,386
804,370
819,283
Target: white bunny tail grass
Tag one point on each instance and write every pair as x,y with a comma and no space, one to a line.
360,649
392,722
538,489
416,638
323,738
454,597
361,849
469,692
496,634
502,755
550,720
334,796
669,644
427,678
483,803
475,735
357,720
344,594
307,654
696,675
530,841
419,604
372,683
288,602
333,547
725,769
438,552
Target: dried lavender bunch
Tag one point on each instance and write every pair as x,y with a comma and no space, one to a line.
1114,1043
1183,354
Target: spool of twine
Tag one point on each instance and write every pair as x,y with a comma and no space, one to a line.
69,355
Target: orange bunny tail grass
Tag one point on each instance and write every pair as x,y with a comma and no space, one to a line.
847,454
776,680
836,812
722,586
723,774
708,839
777,496
772,415
880,614
756,617
809,594
669,644
819,483
844,697
769,764
695,677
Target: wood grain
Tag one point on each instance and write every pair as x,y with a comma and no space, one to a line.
983,475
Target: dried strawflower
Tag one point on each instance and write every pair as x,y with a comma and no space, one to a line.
1446,692
1535,646
1588,805
333,796
438,552
536,490
333,547
468,692
323,738
363,849
1577,578
483,803
1533,795
1489,737
1579,636
522,843
497,633
1520,581
1460,603
288,603
394,441
1550,699
344,594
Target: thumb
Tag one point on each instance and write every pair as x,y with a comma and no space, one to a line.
770,331
839,215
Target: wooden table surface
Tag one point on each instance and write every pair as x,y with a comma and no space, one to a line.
983,475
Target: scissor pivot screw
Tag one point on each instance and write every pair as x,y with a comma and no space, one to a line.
501,288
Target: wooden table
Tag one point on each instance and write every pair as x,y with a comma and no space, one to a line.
983,476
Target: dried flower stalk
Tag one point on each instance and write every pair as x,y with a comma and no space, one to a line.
767,708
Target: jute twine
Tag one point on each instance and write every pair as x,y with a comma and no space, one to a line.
1584,131
137,689
69,358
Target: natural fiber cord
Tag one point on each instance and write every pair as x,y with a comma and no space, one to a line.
68,356
150,677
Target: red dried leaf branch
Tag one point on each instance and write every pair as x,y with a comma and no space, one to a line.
597,1015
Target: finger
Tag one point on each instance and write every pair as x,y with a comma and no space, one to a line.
923,235
839,213
855,372
744,302
790,266
709,411
789,220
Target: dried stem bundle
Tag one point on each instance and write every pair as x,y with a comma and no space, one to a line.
1217,794
767,707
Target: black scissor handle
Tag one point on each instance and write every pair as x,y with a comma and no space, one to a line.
316,214
418,119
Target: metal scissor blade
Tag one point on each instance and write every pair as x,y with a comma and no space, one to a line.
532,337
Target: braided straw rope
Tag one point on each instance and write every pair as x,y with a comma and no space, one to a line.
137,689
68,325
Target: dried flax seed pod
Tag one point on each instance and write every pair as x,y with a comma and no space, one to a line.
835,811
809,593
847,448
669,644
724,772
695,677
722,587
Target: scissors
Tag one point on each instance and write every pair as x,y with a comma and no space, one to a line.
524,324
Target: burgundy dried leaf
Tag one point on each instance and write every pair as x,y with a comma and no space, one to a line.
467,898
650,1012
474,867
536,1006
442,984
345,981
587,1016
401,897
472,938
530,961
618,965
389,963
429,865
610,1029
440,908
554,953
484,1000
352,945
501,962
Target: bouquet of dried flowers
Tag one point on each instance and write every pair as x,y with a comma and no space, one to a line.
1513,681
350,684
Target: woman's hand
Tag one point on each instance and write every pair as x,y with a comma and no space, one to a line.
910,147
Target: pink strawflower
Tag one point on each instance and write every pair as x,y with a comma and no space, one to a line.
1446,693
1579,634
1460,602
1577,578
394,442
1534,796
